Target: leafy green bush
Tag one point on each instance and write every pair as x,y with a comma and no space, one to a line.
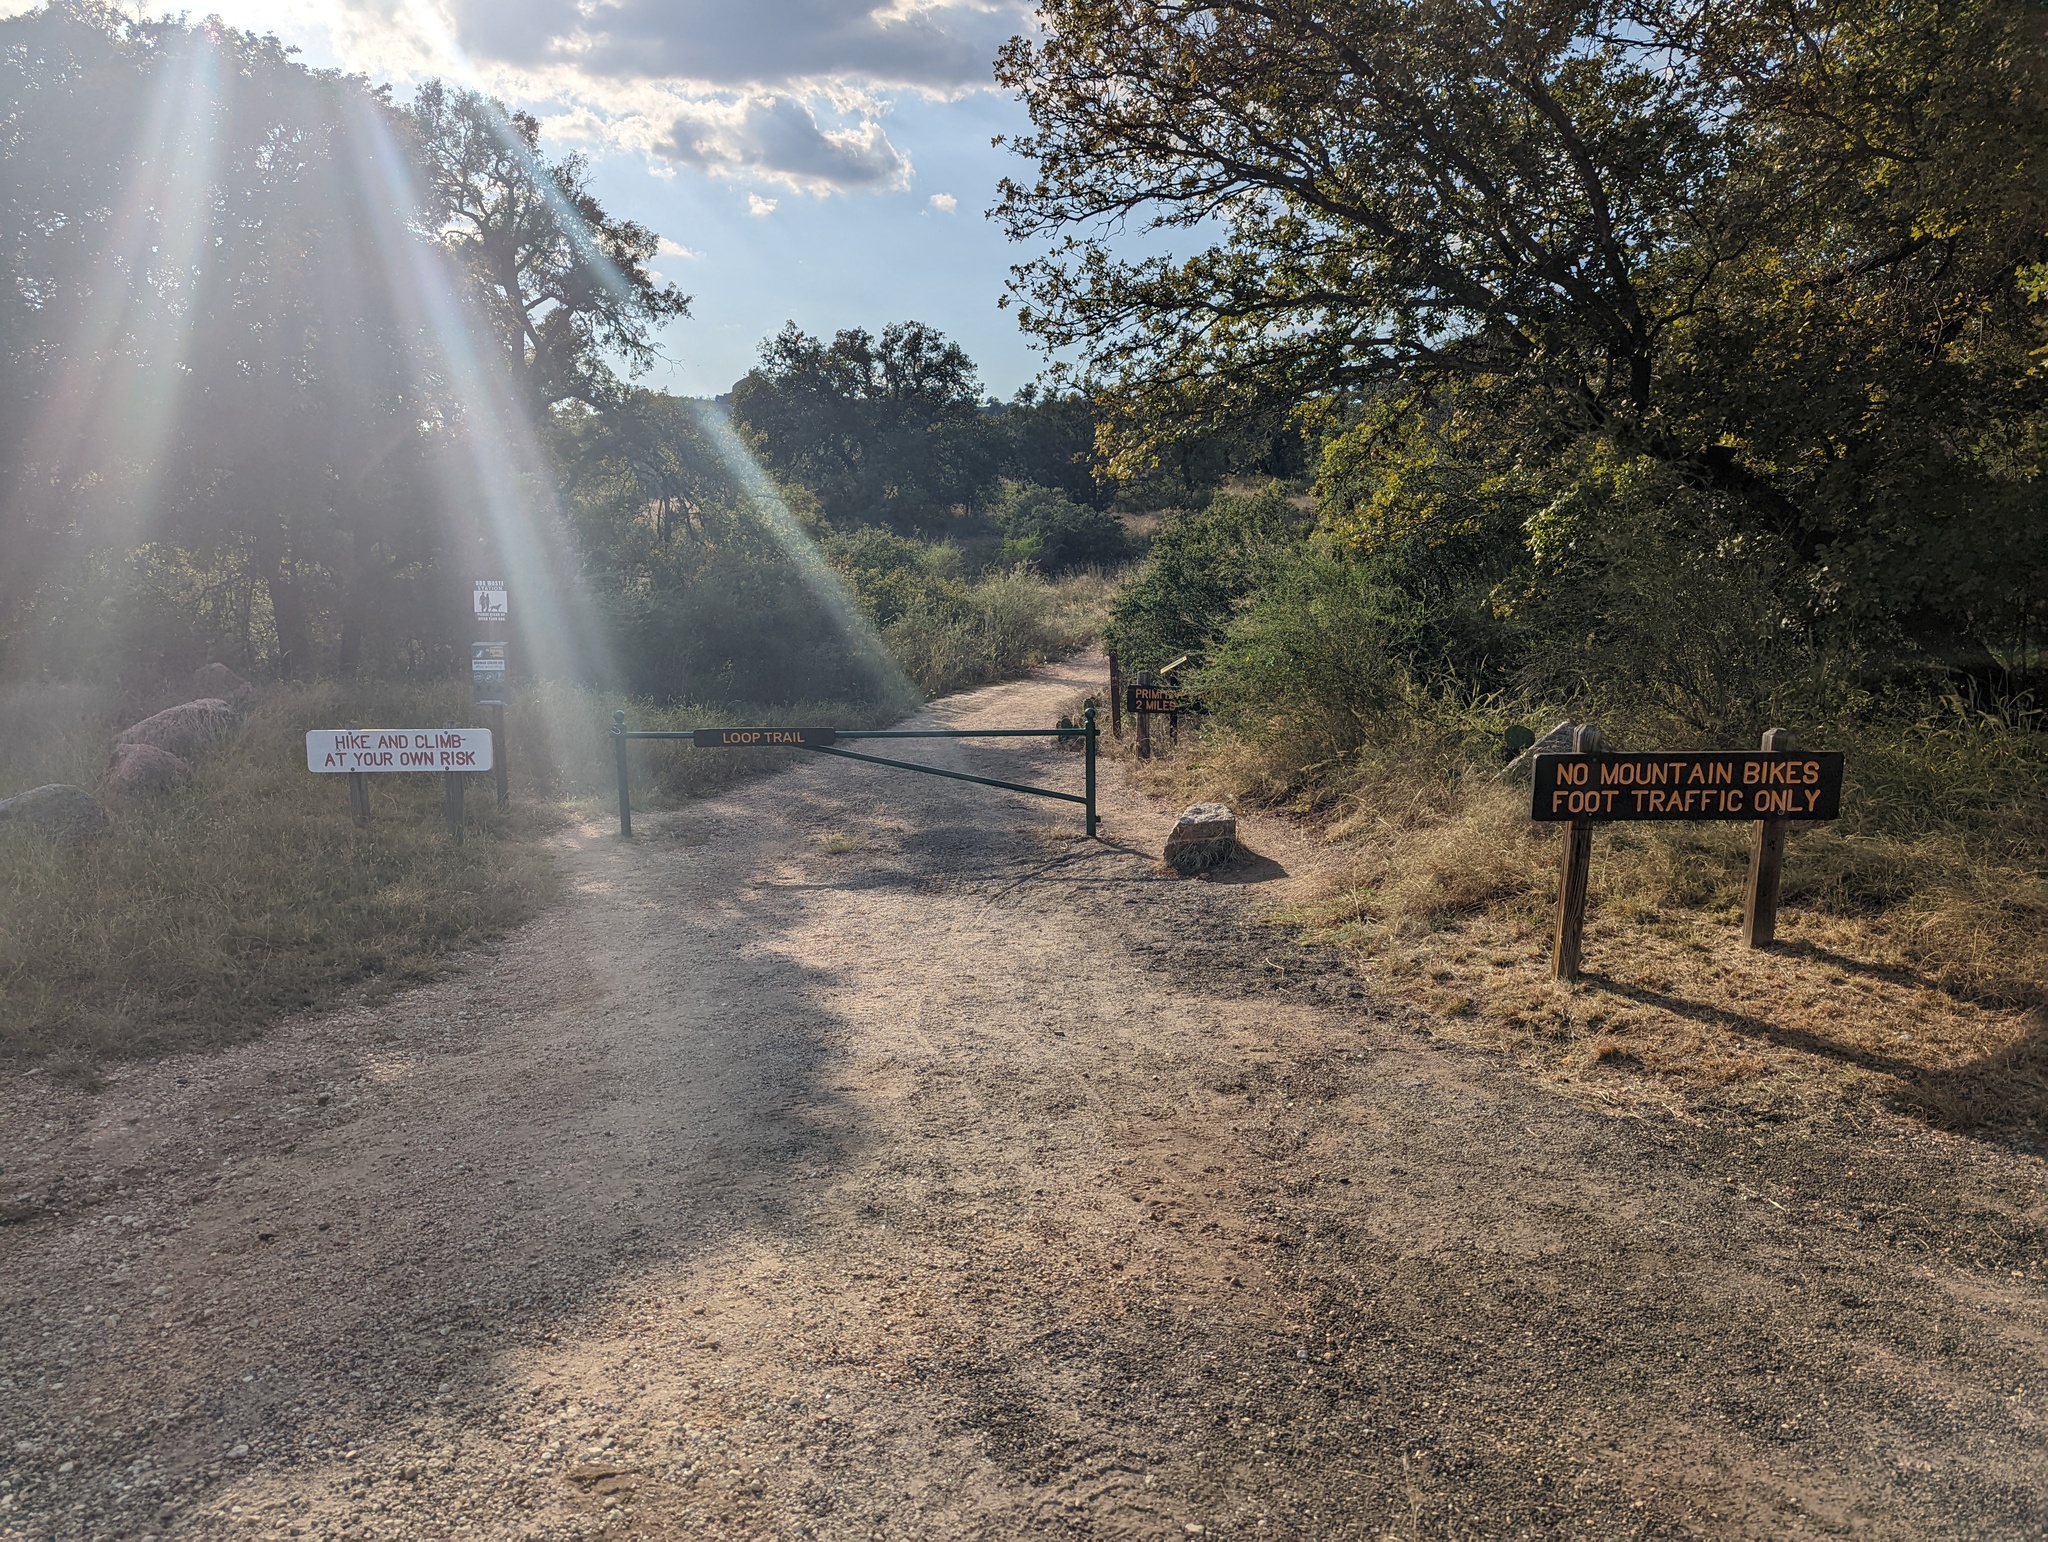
1042,526
1203,563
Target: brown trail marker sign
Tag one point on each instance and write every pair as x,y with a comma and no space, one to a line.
1771,786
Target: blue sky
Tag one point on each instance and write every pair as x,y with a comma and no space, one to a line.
822,161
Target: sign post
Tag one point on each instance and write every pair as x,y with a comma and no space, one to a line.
1772,786
1575,876
1766,864
487,674
360,753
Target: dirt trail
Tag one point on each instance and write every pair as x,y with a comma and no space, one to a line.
863,1155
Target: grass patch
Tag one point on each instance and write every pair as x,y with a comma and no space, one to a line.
1912,970
203,915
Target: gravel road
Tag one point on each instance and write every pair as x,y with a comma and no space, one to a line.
866,1156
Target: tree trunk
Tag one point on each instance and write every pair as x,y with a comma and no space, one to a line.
288,611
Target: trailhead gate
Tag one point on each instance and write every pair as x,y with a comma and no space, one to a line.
825,741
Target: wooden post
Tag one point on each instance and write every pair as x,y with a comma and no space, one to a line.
1116,699
499,758
1766,865
452,787
451,801
1144,721
1573,876
359,797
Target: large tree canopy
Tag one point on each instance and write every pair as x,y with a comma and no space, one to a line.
884,430
565,284
1778,247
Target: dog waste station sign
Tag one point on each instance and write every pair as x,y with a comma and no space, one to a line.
1772,787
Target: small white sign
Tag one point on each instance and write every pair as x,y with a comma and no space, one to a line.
491,604
398,749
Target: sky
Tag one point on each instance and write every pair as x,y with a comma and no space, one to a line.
826,162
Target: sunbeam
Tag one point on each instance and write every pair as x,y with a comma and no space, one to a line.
823,582
110,416
501,472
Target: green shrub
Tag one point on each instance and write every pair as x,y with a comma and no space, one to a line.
1045,528
1203,563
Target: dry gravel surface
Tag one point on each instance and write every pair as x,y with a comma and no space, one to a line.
866,1156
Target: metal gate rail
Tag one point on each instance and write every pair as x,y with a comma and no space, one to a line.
819,741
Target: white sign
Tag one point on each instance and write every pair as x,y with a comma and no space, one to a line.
398,749
490,600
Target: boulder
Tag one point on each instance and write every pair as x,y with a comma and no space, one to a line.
1557,742
1202,837
217,680
143,769
59,812
182,730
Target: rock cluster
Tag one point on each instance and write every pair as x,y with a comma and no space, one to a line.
182,730
1202,837
58,812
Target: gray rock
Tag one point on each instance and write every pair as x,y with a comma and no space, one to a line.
183,730
58,812
217,680
143,769
1202,837
1557,742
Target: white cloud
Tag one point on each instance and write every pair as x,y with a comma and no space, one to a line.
791,91
945,203
668,248
759,206
942,45
780,137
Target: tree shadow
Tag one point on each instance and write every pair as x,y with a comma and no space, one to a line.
1993,1093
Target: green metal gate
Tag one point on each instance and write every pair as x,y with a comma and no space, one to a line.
825,741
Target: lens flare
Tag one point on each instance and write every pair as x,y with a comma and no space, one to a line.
818,575
501,474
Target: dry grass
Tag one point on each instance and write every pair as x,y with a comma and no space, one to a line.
1911,971
203,915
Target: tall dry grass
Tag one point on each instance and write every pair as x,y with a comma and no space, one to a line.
997,628
202,914
1914,936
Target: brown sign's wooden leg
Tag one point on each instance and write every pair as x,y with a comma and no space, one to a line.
1575,876
1766,865
500,759
1572,882
359,797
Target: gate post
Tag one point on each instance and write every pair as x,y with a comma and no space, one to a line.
1088,775
625,787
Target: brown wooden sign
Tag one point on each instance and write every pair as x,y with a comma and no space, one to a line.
1159,698
1688,784
759,738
